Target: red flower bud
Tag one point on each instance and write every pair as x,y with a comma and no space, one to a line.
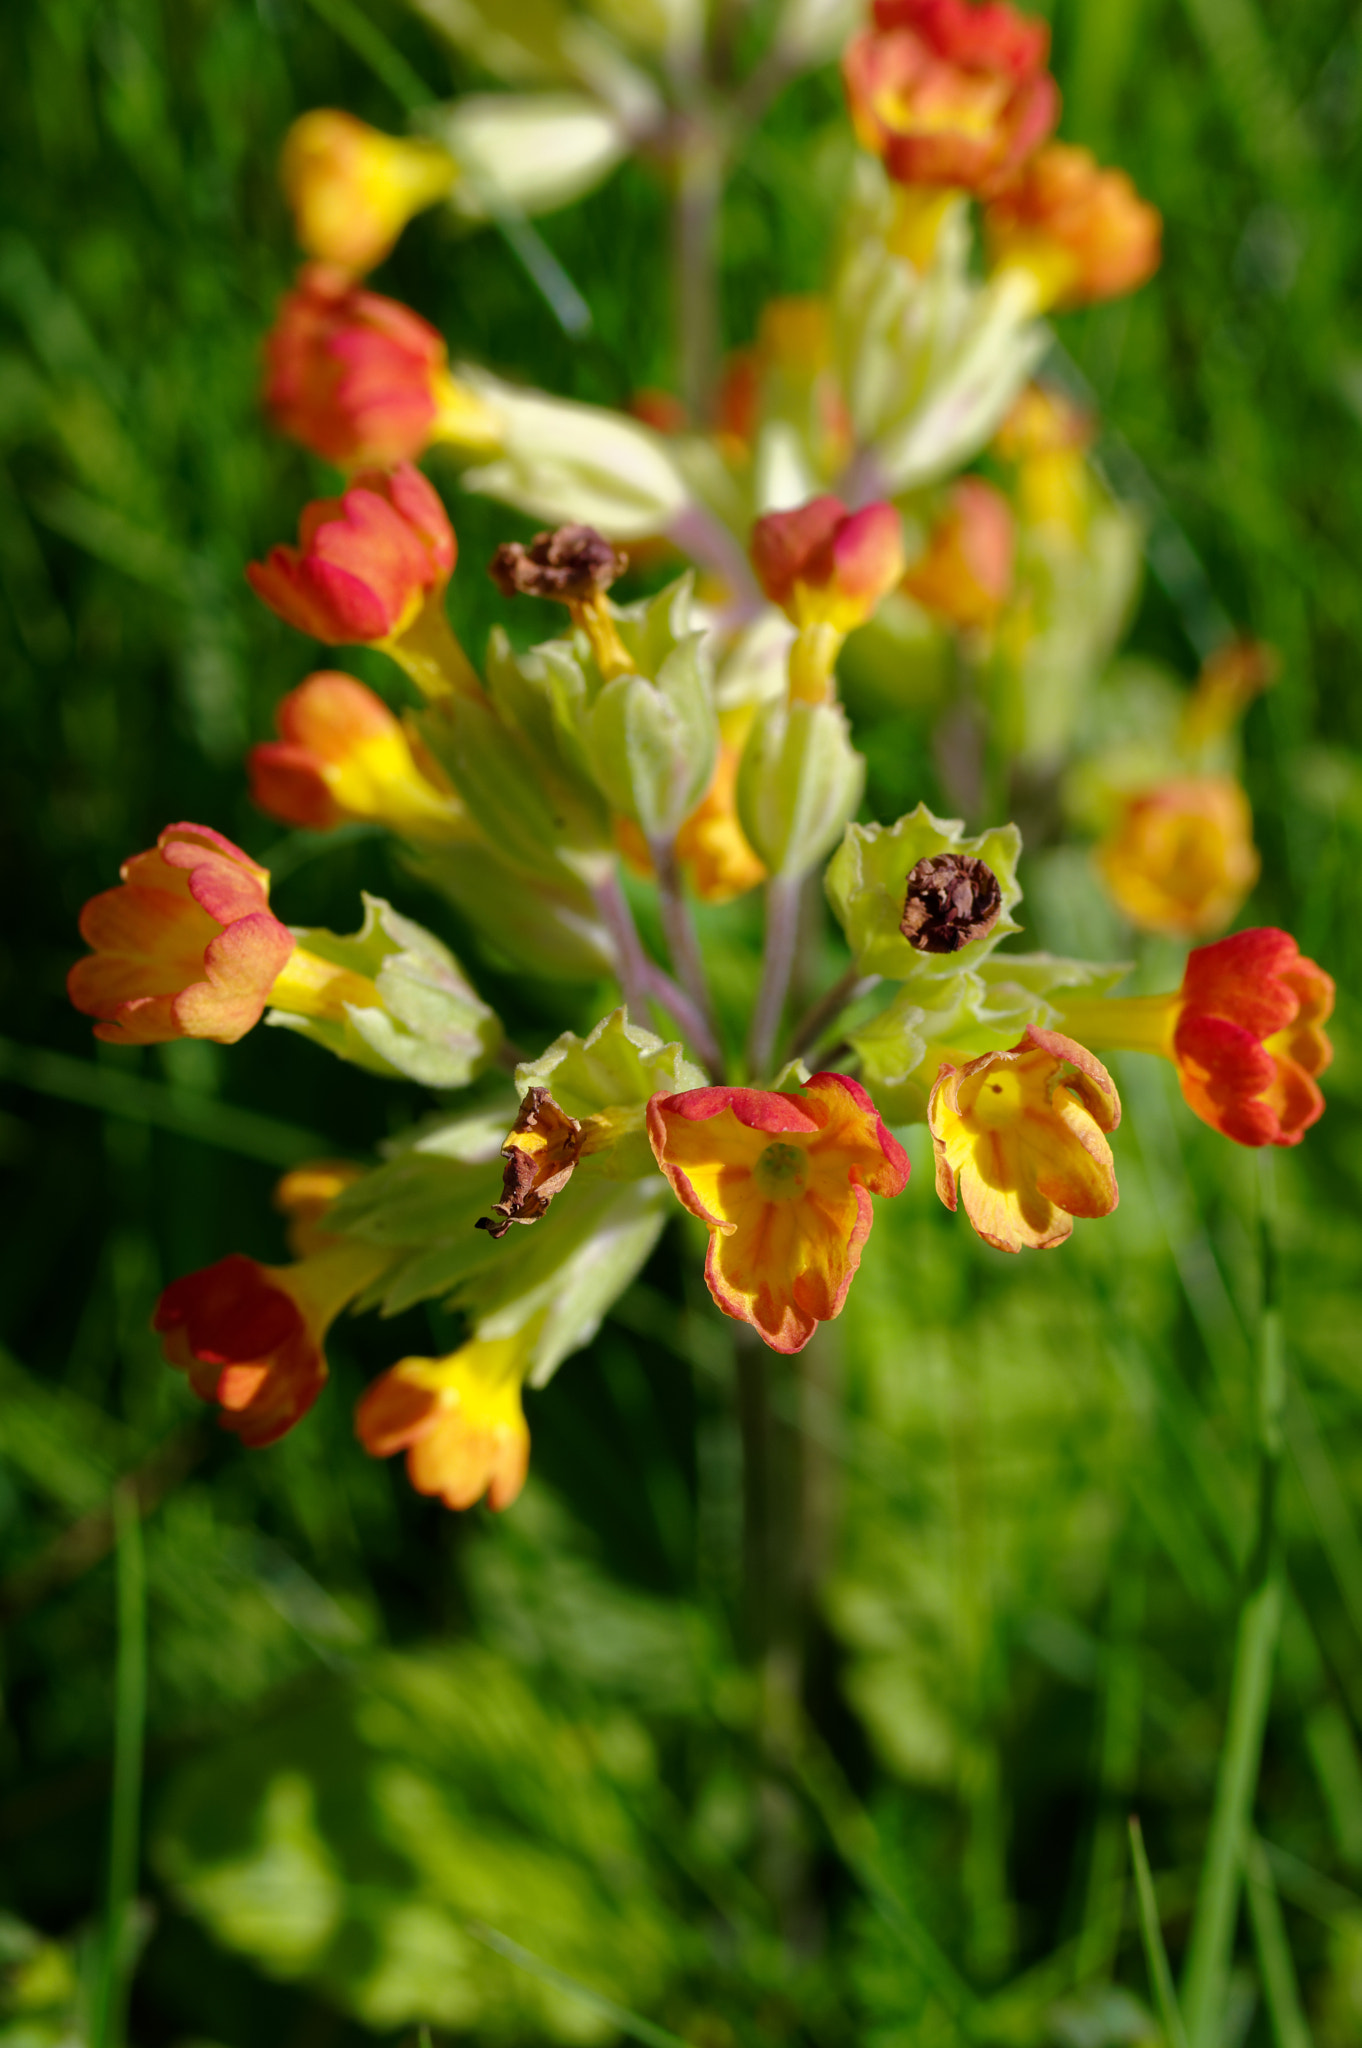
824,565
365,563
1249,1037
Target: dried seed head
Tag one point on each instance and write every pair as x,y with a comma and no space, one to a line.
951,900
572,564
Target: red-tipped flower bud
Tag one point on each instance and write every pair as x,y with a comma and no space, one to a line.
365,563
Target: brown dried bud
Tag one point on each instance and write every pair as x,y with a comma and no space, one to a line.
541,1153
951,899
572,565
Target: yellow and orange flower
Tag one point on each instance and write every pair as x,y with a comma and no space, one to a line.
366,562
352,189
950,94
1048,437
965,576
1181,858
362,380
1022,1135
1245,1031
783,1183
1081,233
1229,681
251,1337
459,1420
186,947
342,755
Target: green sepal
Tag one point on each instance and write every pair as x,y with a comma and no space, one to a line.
654,744
431,1026
867,880
616,1064
546,923
799,781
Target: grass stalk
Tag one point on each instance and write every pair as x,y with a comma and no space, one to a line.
1156,1955
108,2017
1207,1973
1281,1991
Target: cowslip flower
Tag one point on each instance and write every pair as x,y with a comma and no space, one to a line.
459,1420
828,570
1181,857
950,94
1229,681
1047,437
304,1197
1079,233
250,1337
342,755
352,189
965,575
370,569
1245,1031
783,1182
1021,1135
362,380
185,947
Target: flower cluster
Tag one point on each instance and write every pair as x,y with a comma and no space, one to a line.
698,737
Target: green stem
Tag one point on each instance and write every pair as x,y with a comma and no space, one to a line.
1281,1990
826,1011
1156,1956
108,2016
1207,1972
782,932
682,941
699,190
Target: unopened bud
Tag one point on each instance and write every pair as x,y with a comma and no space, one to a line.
951,899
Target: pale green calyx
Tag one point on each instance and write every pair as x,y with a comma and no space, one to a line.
616,1064
799,781
867,882
390,998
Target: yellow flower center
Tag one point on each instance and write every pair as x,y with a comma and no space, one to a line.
1000,1100
782,1172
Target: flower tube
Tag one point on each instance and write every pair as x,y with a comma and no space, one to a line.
951,95
459,1420
782,1182
362,380
828,570
1080,233
1181,858
341,755
352,189
250,1337
1245,1031
370,569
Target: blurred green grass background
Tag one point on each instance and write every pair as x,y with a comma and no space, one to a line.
373,1725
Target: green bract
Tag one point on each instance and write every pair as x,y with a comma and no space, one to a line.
545,922
429,1026
867,881
616,1063
799,782
977,1010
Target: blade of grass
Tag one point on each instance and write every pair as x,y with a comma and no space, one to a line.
1118,1765
180,1110
1281,1991
1206,1977
525,242
1156,1955
130,1700
629,2023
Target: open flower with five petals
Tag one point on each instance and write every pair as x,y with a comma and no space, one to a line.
783,1182
1021,1135
186,947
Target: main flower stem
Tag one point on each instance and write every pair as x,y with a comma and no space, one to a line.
825,1012
642,980
782,932
699,185
682,941
1206,1977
